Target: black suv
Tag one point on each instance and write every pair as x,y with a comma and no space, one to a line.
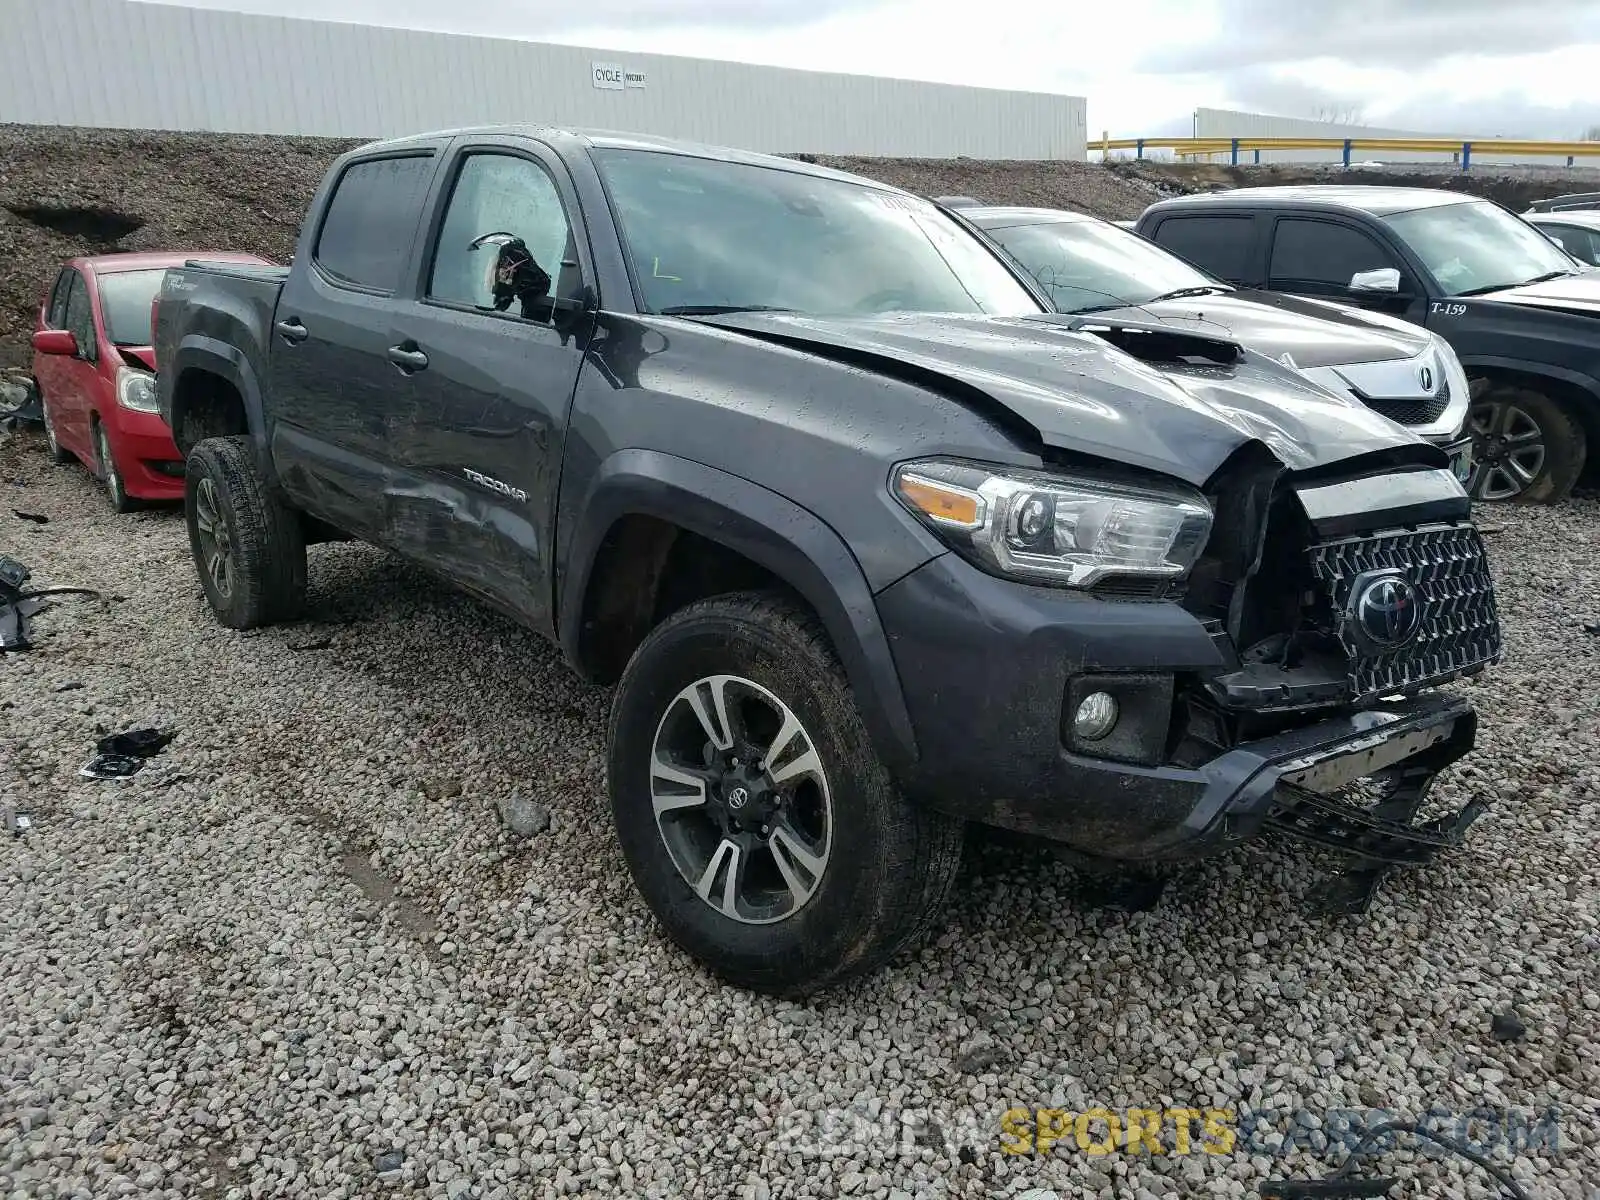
870,542
1520,312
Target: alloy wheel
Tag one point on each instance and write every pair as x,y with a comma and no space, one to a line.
1508,450
216,543
108,469
741,799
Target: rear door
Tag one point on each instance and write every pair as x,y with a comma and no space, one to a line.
49,370
1226,245
77,380
500,327
338,398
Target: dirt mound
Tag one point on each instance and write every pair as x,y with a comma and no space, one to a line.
65,192
1081,187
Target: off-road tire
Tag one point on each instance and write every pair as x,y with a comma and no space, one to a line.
1564,445
58,453
268,575
892,863
105,468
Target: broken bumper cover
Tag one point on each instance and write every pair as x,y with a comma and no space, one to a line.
1292,783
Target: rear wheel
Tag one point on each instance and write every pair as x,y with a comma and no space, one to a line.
105,464
248,546
57,453
1525,447
754,816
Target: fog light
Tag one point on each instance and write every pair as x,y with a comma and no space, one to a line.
1096,717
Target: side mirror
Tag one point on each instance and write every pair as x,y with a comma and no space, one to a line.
1385,280
55,341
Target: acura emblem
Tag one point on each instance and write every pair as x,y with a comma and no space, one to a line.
1425,378
1386,609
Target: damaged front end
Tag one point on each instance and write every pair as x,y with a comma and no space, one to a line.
1341,602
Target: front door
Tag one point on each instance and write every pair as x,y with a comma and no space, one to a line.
73,391
503,332
338,398
1321,258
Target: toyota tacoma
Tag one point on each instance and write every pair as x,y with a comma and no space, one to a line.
871,543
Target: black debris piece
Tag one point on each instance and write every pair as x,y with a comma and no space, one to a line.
389,1161
1591,627
36,518
120,755
1508,1026
18,604
314,644
135,743
17,823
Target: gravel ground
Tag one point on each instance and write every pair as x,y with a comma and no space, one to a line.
301,955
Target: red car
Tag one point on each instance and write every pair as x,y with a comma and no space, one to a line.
93,363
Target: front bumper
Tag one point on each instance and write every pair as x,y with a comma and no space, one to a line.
147,457
987,666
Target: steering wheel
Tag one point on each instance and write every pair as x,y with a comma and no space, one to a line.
887,300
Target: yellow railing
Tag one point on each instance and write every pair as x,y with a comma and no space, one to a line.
1459,149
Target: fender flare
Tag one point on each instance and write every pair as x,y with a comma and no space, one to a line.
1586,384
790,541
197,352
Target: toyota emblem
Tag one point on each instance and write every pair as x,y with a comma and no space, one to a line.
1386,609
738,798
1425,378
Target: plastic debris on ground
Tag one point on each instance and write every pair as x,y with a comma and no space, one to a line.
120,755
18,604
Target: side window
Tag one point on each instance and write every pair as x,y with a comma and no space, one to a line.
505,244
80,316
371,217
56,315
1575,241
1218,245
1319,257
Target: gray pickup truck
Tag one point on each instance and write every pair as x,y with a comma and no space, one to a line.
871,542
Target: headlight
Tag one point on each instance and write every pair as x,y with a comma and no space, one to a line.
1073,531
137,390
1455,375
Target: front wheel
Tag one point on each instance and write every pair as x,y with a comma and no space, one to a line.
753,813
106,467
1525,447
248,545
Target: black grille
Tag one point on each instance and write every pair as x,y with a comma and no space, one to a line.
1459,632
1413,411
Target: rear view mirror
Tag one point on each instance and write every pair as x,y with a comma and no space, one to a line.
55,341
1384,280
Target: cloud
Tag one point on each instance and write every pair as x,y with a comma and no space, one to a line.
1408,34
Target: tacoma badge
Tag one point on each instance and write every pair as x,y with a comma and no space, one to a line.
495,485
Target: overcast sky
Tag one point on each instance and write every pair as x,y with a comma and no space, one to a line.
1481,67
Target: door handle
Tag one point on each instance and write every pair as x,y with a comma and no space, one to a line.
408,358
292,331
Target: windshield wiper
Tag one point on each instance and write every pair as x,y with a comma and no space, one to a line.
1500,287
1209,289
713,310
1094,308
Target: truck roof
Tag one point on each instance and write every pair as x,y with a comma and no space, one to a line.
1375,199
1002,216
614,139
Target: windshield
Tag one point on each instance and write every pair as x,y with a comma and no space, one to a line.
718,236
1478,247
1086,264
125,299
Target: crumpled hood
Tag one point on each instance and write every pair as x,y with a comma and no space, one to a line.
1312,333
1572,292
1080,393
143,356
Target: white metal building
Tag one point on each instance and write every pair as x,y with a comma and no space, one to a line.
124,64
